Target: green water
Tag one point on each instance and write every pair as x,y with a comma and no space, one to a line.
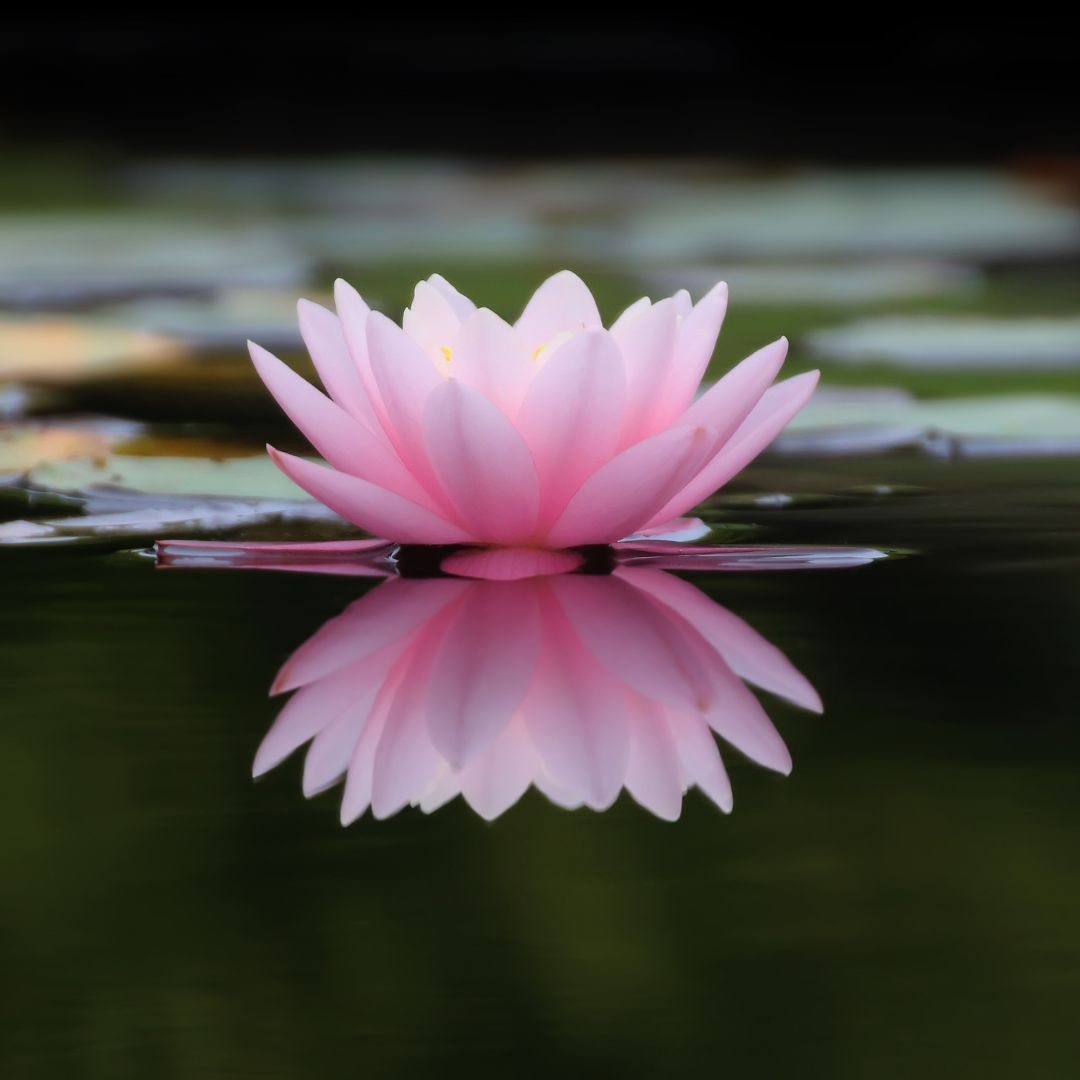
905,904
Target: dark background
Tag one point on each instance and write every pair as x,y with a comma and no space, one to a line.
890,88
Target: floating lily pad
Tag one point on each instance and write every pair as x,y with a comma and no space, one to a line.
253,477
64,259
854,422
53,350
953,341
961,214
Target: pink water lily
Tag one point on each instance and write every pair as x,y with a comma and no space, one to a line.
553,432
578,685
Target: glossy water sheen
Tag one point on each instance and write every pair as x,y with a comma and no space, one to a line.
904,904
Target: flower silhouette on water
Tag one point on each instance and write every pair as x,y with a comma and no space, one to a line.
459,428
578,685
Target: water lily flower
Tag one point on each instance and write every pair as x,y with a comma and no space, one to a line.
553,432
579,685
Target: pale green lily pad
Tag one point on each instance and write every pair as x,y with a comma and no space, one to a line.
953,341
254,477
949,214
861,421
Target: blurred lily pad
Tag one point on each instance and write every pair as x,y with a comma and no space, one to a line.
50,260
57,351
977,215
953,341
854,422
251,477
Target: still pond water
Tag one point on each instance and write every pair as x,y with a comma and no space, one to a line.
903,904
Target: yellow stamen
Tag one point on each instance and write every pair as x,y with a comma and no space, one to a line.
448,353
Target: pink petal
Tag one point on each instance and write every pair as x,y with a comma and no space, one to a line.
359,685
562,304
302,717
509,564
324,337
634,639
647,343
726,404
373,508
697,340
360,777
572,416
482,464
405,378
353,314
574,713
406,762
346,443
653,769
491,357
482,668
624,494
494,781
462,305
700,757
388,613
744,650
431,321
769,417
630,315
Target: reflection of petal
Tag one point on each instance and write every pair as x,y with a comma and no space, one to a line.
473,691
746,652
579,685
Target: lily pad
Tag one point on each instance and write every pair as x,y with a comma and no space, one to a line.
252,477
978,215
53,350
858,422
953,341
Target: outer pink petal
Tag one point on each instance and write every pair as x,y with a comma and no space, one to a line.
697,340
726,404
562,304
572,416
406,762
745,651
482,464
700,757
623,495
406,378
302,717
647,343
637,308
324,337
388,613
353,314
373,508
769,417
332,748
490,356
346,443
482,668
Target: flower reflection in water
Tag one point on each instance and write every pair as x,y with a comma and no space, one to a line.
579,685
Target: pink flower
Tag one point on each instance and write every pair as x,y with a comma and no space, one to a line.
458,427
579,685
